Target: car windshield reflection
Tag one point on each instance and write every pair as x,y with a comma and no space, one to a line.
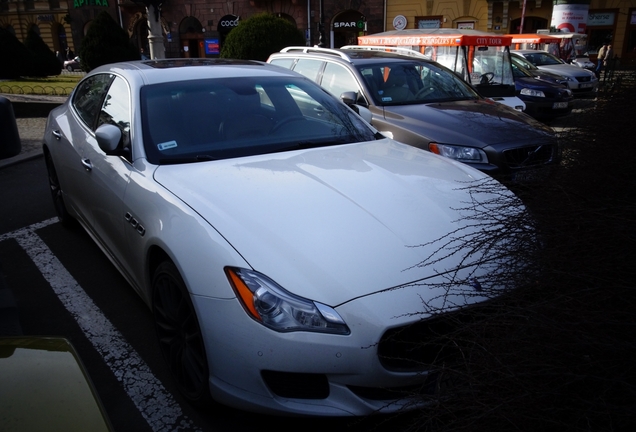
192,121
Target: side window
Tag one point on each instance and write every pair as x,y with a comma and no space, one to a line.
308,67
283,62
116,109
88,97
336,79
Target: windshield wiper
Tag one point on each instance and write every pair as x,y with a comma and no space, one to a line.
302,145
186,159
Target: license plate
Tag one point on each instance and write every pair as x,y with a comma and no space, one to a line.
559,105
529,176
585,85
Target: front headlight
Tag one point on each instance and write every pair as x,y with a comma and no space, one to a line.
459,153
531,92
268,303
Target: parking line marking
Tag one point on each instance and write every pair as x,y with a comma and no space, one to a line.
153,401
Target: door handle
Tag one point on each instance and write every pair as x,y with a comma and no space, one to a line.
88,166
57,134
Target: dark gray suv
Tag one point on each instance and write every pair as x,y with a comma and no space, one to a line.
424,104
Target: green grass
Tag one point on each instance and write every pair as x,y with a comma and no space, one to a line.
60,85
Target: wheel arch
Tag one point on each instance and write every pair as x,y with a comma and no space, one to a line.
156,255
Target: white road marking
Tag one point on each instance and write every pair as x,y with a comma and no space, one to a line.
152,400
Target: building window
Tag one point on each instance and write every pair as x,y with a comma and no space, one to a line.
428,22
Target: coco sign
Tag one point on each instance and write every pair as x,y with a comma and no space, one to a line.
227,23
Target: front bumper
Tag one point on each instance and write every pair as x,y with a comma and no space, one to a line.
301,373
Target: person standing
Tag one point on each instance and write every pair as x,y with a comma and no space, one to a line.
60,57
609,54
600,58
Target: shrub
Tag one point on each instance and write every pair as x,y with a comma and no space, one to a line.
105,42
18,60
45,62
259,36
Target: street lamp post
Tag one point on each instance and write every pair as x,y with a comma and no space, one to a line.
321,27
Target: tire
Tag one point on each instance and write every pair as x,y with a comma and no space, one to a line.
56,193
179,334
69,68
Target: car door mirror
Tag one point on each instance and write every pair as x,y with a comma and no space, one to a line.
364,113
350,98
108,138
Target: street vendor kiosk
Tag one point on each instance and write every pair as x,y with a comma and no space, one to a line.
480,58
566,46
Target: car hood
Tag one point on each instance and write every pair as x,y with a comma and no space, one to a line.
546,75
333,224
538,84
566,69
476,123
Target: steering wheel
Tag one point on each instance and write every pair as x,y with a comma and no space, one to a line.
423,92
286,121
486,78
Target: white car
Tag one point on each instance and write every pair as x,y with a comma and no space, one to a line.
579,80
583,61
281,242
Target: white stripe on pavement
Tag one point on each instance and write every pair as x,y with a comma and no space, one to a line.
153,401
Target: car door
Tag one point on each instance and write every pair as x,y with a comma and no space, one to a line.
111,174
106,177
75,131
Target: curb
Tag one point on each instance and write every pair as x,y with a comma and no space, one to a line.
20,158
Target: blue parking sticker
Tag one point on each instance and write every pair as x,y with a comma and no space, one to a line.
167,145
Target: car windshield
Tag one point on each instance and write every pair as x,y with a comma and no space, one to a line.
520,72
520,61
399,83
543,59
190,121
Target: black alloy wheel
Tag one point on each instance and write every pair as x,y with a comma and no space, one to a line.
179,334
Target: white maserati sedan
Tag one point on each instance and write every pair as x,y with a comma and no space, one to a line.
294,258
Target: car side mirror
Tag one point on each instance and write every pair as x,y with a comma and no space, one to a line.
108,138
364,113
350,98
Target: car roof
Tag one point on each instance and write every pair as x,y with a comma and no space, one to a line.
529,51
350,55
147,72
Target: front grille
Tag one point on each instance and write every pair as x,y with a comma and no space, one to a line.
522,157
434,343
297,385
396,393
586,78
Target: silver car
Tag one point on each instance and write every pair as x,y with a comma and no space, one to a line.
282,243
579,80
